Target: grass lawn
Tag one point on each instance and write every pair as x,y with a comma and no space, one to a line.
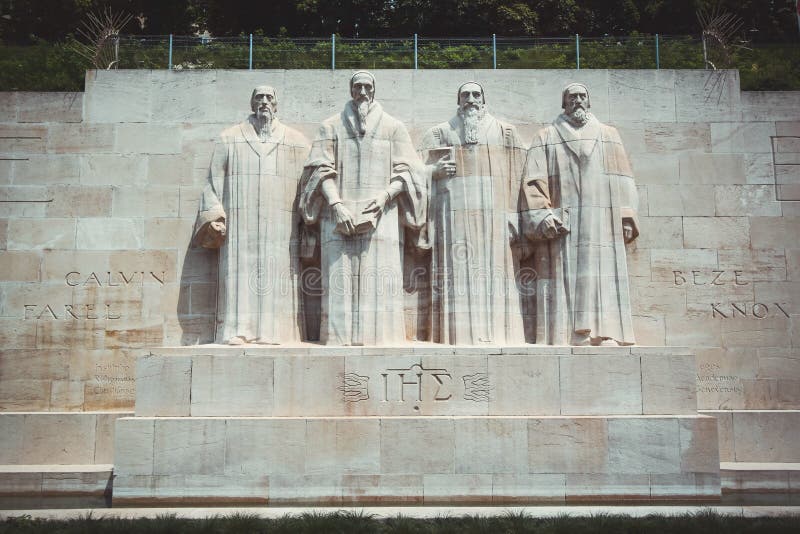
356,523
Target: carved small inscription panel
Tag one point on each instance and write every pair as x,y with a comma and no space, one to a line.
114,380
414,386
355,387
711,379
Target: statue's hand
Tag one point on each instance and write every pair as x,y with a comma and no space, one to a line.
552,226
627,231
445,167
342,216
376,206
218,227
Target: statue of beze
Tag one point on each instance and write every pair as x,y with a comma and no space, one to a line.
516,244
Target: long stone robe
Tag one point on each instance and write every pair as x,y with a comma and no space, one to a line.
253,188
474,229
362,275
582,292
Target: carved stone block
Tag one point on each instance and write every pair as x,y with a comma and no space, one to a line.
163,386
148,138
738,137
588,388
47,169
80,138
105,90
37,234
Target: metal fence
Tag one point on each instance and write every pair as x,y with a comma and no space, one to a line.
257,52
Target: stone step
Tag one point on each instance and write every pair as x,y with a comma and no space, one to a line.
57,438
55,480
421,379
415,459
770,436
754,477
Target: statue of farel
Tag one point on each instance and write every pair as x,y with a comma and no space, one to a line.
248,211
580,205
363,185
476,162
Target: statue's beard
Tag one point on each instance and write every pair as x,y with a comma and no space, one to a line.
362,107
578,117
471,116
264,118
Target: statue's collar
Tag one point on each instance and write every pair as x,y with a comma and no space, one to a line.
260,147
571,135
350,115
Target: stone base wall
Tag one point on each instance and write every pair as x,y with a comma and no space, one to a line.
99,191
416,424
415,459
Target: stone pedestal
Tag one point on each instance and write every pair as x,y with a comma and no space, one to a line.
417,424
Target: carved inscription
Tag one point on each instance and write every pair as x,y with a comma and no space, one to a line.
87,312
114,379
355,387
714,278
710,380
477,387
113,279
415,384
407,384
756,310
70,312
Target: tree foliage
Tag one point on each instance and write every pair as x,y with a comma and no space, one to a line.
24,21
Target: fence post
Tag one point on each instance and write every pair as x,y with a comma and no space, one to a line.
251,51
415,52
658,58
705,51
494,51
169,61
333,51
577,52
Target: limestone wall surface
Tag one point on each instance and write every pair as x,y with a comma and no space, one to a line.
99,192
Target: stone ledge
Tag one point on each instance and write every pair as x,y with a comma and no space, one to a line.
756,477
216,380
420,348
55,480
382,512
57,438
766,436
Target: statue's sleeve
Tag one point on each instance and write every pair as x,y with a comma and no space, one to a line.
320,165
408,168
211,208
617,164
534,197
431,139
517,154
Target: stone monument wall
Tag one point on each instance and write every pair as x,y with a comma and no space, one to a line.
99,192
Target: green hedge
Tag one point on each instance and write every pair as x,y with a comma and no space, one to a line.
54,67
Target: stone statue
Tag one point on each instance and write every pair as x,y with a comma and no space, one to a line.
476,162
580,205
248,211
362,185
